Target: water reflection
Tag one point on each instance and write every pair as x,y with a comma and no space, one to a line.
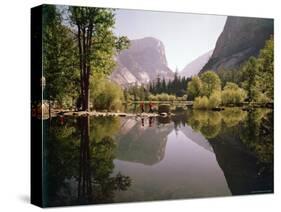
193,154
79,164
143,143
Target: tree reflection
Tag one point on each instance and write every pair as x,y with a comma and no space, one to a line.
79,153
79,163
244,151
207,122
233,116
257,134
210,123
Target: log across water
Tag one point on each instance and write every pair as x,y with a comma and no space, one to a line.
95,113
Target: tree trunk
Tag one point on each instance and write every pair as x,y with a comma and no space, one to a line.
50,114
87,96
84,179
85,42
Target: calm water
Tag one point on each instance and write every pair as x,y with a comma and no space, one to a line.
193,154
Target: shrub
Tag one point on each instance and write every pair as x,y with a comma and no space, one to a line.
208,103
172,98
232,94
214,100
152,98
262,98
162,97
201,103
106,95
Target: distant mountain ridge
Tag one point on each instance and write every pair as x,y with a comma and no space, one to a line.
141,63
194,67
242,37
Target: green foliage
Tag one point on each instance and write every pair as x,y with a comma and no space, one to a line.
229,75
194,87
176,87
258,75
232,94
214,100
105,94
208,103
162,97
136,93
249,71
265,75
59,61
206,90
96,43
201,102
255,76
210,83
262,98
152,98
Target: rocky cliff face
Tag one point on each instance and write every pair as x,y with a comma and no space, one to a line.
142,62
196,65
241,38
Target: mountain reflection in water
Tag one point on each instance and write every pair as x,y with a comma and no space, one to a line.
92,160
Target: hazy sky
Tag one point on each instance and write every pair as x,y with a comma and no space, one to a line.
185,36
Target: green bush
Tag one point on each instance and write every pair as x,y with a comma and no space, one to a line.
262,98
172,98
201,103
208,103
106,95
152,98
214,100
161,97
232,94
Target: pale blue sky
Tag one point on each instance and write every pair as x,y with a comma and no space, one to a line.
185,36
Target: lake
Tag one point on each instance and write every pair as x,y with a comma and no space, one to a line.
194,154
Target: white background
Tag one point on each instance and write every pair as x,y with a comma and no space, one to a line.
14,106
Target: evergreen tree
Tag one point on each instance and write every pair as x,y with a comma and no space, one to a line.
158,85
163,86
